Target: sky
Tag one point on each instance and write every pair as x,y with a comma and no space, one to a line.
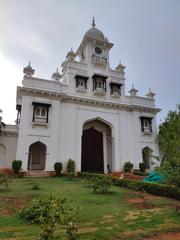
145,33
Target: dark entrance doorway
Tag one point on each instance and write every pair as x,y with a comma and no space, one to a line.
37,156
92,151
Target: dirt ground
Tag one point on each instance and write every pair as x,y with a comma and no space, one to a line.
166,236
12,204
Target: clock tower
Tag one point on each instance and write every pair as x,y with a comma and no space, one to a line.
94,48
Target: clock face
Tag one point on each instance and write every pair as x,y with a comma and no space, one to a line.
97,50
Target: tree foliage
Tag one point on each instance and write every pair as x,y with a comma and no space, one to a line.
169,143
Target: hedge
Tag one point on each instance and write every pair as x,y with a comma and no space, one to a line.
152,188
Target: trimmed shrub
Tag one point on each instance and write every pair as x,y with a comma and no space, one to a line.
16,166
128,166
58,168
152,188
71,166
142,167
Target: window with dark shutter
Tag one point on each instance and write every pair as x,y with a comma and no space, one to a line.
40,112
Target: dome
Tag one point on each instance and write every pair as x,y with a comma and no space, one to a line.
95,33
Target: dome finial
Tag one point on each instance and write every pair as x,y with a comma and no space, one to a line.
93,23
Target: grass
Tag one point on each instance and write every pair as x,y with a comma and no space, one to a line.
108,216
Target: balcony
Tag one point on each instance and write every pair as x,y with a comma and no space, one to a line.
99,91
147,131
81,89
115,95
100,61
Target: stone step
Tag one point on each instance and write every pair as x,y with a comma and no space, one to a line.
37,173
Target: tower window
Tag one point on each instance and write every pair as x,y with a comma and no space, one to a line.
81,81
146,124
115,88
99,82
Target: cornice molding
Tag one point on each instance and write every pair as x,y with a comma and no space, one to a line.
9,133
85,101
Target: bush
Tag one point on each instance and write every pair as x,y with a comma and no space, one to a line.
35,186
49,211
16,166
128,166
71,166
101,184
152,188
142,167
58,168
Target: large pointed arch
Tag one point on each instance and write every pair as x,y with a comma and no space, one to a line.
101,120
96,154
37,156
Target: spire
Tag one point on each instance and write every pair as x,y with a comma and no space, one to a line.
133,91
150,94
56,75
120,68
93,23
28,70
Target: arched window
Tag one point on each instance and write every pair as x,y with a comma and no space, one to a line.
40,112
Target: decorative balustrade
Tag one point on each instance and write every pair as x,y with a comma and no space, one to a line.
99,60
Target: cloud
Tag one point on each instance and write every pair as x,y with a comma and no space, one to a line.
11,75
34,43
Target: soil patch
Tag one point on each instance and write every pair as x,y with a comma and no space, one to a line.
166,236
87,230
12,204
140,203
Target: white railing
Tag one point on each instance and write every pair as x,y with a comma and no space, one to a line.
99,60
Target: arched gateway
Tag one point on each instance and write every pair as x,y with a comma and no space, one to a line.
96,147
37,156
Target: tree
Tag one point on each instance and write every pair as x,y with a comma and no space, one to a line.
2,124
169,143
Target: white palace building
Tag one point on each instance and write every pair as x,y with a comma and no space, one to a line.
82,114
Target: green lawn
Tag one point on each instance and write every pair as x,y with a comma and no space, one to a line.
112,216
